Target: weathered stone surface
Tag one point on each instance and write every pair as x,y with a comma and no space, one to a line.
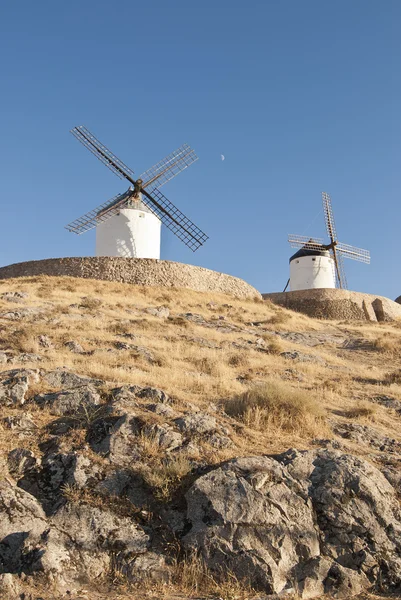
150,565
162,312
13,391
366,435
154,394
82,400
19,461
21,517
163,435
91,528
74,346
66,379
16,315
45,341
9,586
14,296
196,423
46,481
312,522
300,357
23,423
24,357
162,409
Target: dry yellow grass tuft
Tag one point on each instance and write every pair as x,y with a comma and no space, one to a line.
388,344
276,405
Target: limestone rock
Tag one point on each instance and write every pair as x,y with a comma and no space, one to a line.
196,423
77,401
154,394
164,435
45,341
9,586
74,346
46,482
21,517
13,391
20,461
162,312
25,357
301,357
313,521
66,379
23,423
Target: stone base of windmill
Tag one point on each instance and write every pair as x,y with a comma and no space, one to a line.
138,271
338,304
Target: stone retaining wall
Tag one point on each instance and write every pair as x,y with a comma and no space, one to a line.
338,304
139,271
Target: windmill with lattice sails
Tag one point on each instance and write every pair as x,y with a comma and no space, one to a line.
320,265
129,225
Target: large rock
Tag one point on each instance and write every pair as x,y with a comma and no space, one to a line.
47,480
82,400
308,522
14,385
66,379
21,517
79,543
121,438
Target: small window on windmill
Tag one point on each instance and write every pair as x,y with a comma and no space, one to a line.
141,214
313,258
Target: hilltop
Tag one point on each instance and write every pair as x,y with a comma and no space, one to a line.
140,423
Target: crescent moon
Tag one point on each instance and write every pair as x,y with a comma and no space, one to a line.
222,157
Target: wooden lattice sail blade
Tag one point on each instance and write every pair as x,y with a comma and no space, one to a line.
355,253
340,271
329,217
168,168
101,213
301,241
174,219
101,152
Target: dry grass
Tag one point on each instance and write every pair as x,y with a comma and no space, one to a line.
165,476
98,314
270,417
393,377
388,344
362,409
276,405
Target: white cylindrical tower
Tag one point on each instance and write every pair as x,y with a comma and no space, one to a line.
132,233
311,269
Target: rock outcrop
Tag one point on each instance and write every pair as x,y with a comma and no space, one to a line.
303,522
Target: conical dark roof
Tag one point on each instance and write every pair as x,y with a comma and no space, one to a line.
305,251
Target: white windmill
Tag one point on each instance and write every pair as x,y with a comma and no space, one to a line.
319,265
129,225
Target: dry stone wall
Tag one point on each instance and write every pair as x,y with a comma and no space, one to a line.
139,271
338,304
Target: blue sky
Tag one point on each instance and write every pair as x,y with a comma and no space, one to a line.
301,96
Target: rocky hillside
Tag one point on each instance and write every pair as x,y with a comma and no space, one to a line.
165,444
